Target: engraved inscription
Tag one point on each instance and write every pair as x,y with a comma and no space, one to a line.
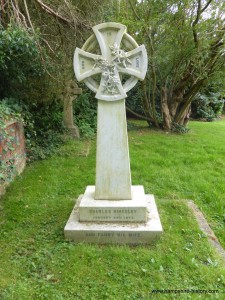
90,234
114,234
82,64
137,62
115,211
112,214
134,234
105,234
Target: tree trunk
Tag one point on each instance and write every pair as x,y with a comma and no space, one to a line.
148,110
171,110
167,121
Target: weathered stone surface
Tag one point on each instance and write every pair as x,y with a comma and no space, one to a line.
113,61
112,211
15,132
113,178
70,95
115,233
134,210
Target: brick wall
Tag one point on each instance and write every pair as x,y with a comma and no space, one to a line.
12,152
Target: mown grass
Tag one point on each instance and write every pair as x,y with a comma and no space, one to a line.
37,263
189,166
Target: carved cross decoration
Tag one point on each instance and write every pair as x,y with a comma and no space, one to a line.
110,63
113,60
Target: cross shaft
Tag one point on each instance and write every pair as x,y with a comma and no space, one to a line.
113,179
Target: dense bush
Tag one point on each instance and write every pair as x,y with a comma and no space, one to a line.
208,106
22,84
85,114
134,99
20,60
43,126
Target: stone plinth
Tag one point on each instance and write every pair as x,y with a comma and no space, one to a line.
113,211
135,233
132,210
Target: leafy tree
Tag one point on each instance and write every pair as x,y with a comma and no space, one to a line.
20,60
61,25
208,104
37,41
185,44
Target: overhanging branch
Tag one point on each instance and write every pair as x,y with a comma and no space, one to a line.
138,115
52,12
206,6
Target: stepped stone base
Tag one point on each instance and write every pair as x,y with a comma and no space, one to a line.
130,233
133,210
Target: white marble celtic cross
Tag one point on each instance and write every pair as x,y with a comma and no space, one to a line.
110,63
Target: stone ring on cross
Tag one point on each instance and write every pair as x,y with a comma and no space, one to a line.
110,62
113,211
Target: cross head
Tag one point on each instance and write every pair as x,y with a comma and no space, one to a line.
118,70
110,64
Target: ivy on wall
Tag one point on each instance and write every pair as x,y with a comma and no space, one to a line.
8,143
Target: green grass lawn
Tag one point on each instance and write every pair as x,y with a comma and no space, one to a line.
37,263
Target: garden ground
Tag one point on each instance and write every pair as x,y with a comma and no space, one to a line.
37,263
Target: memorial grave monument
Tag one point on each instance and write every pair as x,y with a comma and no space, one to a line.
113,211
